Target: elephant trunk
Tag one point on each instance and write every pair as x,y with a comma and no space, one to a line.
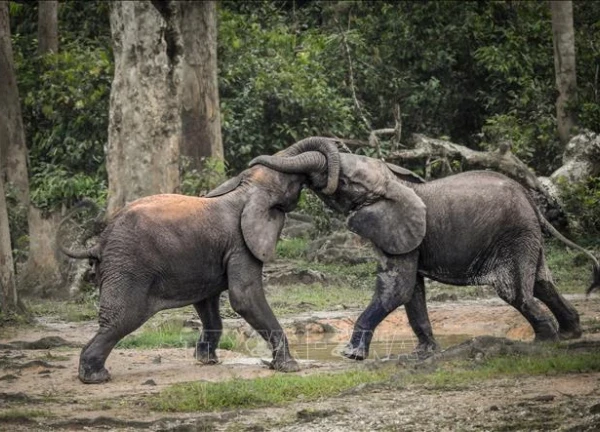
291,160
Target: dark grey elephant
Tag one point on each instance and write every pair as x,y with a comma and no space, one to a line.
473,228
167,251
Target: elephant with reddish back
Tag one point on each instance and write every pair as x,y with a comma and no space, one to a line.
168,251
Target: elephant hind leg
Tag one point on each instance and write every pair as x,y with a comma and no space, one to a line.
517,290
119,315
212,328
567,316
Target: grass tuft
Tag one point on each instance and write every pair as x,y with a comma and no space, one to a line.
280,389
259,392
171,334
23,415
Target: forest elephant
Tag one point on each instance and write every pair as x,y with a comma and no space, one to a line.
473,228
167,251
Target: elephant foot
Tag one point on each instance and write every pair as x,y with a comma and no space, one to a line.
93,377
355,353
570,334
205,353
546,337
206,358
283,366
426,349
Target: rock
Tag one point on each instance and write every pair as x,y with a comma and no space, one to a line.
544,398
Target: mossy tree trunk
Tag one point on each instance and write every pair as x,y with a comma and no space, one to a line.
563,35
200,113
47,26
13,164
144,130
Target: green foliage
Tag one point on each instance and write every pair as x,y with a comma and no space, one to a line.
322,215
582,201
198,182
292,248
274,88
65,104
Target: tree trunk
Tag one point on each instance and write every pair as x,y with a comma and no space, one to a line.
42,275
144,131
200,113
563,36
13,164
8,289
47,26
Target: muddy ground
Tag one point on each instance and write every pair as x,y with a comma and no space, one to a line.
45,379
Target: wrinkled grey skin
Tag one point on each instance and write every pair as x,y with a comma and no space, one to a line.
473,228
168,251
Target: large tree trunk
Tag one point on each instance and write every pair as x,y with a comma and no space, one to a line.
13,164
563,35
47,26
8,290
144,125
200,113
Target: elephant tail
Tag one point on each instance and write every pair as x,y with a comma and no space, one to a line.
596,270
92,253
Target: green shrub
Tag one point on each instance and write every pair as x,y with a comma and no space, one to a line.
582,202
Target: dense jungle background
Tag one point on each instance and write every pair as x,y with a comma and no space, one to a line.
116,100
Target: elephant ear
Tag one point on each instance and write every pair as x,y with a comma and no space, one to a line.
405,174
396,223
225,188
261,226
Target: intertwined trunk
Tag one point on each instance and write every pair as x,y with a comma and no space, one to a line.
563,35
144,124
47,26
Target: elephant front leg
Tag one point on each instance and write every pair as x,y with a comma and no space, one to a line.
395,285
247,298
416,310
212,329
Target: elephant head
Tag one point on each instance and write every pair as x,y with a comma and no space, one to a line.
269,193
373,194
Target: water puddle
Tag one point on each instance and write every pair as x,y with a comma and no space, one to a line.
330,350
328,347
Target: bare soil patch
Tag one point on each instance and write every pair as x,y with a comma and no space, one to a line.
39,389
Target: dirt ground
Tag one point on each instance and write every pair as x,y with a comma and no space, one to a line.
46,379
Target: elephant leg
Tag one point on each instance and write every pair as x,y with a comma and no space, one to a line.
247,298
517,290
212,328
566,315
416,310
121,312
395,285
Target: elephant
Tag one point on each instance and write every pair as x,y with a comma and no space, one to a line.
473,228
167,251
